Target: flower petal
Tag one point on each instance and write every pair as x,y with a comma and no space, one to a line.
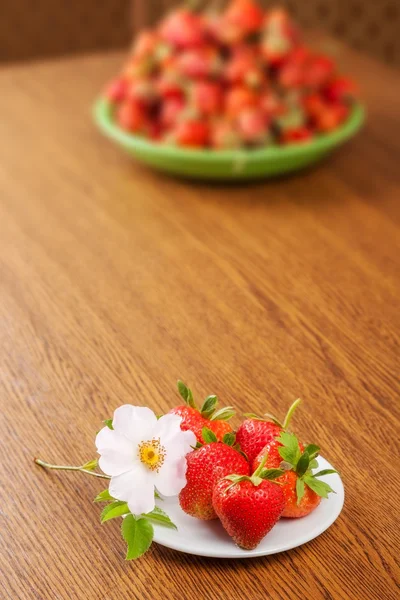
116,452
171,478
134,422
135,487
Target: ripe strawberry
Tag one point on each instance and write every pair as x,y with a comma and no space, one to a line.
341,89
183,29
301,488
171,110
224,136
116,90
239,98
245,15
272,105
190,132
296,135
206,97
252,125
279,37
199,62
243,67
142,91
331,117
205,467
318,70
255,432
195,419
130,116
249,507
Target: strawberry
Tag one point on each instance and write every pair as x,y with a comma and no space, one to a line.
318,70
252,125
199,62
255,432
206,466
238,98
249,507
244,67
130,116
116,90
331,117
170,111
195,419
142,91
206,97
190,132
245,15
296,135
183,29
224,136
302,488
341,89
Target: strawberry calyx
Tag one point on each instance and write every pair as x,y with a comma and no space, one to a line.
208,409
269,417
229,439
259,475
303,463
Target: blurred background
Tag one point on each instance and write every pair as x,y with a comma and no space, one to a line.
48,28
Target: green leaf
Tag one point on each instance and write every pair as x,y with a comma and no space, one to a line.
208,407
319,487
229,438
325,472
208,435
302,464
290,451
300,489
159,516
91,465
271,474
186,394
224,414
157,495
113,510
312,450
314,464
138,534
104,496
109,424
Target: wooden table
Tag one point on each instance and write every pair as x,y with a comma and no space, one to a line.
115,281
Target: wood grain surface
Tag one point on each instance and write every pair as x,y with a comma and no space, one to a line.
115,281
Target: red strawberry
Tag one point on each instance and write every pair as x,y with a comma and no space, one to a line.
252,124
331,117
142,91
224,136
183,29
116,90
244,68
206,97
341,89
255,432
199,62
195,419
170,111
318,70
239,98
130,116
296,135
205,467
190,132
246,15
249,507
272,105
301,488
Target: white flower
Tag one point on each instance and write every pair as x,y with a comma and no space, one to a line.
142,453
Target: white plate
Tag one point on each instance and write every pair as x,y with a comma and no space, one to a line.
208,538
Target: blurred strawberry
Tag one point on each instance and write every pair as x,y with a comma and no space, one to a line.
272,105
246,15
224,135
318,70
199,62
244,67
341,89
314,105
116,90
183,29
206,97
190,132
279,37
331,117
239,98
252,125
295,135
131,117
142,91
171,109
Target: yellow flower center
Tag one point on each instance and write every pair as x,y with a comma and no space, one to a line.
152,454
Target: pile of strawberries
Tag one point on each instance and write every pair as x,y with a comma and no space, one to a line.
248,479
239,77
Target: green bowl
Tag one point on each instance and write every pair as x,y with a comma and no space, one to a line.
227,164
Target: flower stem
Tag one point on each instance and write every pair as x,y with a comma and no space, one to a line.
47,465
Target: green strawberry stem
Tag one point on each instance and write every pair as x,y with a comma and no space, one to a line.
82,469
290,413
270,417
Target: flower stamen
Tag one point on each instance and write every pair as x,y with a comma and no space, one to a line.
152,454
